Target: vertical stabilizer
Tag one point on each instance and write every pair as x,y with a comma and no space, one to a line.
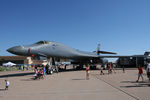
98,49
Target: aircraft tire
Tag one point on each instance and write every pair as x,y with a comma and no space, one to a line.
51,72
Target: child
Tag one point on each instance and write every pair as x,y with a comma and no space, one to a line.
140,73
7,84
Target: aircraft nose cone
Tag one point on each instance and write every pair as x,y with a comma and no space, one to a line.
16,50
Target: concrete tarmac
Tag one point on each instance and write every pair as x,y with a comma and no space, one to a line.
74,86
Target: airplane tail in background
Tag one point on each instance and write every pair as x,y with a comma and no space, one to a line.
146,53
102,52
98,49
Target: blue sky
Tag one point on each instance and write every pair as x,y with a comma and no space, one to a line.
121,26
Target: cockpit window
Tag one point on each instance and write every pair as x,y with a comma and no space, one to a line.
42,42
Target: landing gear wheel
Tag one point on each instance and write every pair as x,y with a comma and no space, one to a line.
51,72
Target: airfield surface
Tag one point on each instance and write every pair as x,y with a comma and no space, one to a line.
72,85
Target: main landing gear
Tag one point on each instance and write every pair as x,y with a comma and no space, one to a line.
51,67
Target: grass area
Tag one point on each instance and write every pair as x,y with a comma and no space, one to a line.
7,68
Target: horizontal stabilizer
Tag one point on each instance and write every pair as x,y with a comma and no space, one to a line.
102,52
105,52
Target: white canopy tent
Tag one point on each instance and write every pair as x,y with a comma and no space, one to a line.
9,64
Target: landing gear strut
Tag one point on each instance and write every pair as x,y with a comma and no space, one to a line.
51,67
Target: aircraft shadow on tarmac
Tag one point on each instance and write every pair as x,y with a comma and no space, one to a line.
79,79
69,70
30,79
16,75
136,84
2,90
133,82
30,73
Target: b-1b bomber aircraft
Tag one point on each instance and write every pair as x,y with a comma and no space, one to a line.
57,50
54,50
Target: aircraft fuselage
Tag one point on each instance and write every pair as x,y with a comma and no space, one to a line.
51,49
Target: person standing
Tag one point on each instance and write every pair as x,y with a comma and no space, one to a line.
123,69
101,69
7,84
36,72
140,74
109,68
148,71
44,71
113,67
87,72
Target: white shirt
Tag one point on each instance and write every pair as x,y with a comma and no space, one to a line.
148,67
7,83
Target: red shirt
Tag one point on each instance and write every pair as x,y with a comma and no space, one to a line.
87,69
140,70
41,71
109,66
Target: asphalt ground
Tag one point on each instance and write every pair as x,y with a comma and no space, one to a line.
72,85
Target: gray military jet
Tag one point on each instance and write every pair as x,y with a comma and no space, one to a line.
55,50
